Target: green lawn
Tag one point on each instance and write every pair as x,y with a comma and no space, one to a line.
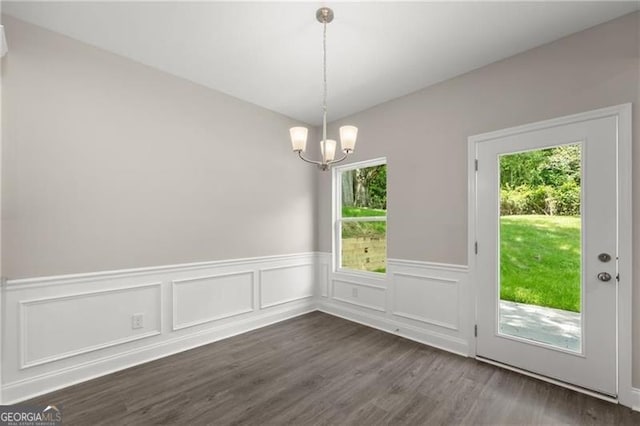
362,212
363,229
540,260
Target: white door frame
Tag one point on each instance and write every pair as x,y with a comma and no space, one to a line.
625,238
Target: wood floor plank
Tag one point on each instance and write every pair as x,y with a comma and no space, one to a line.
321,370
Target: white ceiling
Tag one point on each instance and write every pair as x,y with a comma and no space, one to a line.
270,53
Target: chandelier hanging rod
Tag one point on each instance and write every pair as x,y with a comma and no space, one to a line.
348,134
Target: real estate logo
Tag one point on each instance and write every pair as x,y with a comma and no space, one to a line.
28,415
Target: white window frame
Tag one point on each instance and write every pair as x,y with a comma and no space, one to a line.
337,218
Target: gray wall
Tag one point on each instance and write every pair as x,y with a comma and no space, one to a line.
424,135
109,164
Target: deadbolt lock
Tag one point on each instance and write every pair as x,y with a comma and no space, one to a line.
604,257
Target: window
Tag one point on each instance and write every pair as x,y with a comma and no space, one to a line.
360,202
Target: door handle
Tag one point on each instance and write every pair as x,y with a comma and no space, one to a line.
604,276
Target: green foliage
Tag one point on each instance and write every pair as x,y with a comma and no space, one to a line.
364,230
366,187
543,181
376,183
542,199
562,165
568,199
362,212
522,169
514,201
524,199
540,261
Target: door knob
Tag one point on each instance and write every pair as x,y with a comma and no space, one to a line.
603,276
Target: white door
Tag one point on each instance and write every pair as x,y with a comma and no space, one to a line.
547,253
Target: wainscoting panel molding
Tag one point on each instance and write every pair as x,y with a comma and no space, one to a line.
200,300
432,300
324,265
284,284
54,328
422,301
323,279
360,294
63,330
634,397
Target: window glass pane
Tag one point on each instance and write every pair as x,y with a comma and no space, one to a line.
364,192
364,246
540,246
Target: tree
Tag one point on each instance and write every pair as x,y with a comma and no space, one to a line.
366,187
522,169
541,181
562,165
371,187
348,188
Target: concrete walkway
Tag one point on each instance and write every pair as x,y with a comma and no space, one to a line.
547,325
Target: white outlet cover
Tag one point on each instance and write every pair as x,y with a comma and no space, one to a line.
137,321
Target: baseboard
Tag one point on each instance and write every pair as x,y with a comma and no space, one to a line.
635,398
26,389
420,335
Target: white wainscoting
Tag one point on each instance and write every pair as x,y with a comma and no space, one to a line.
281,284
54,328
68,329
427,299
323,279
209,298
360,294
422,301
634,397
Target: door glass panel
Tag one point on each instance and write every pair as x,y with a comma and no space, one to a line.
540,246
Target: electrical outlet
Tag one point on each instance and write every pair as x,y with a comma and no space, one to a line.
137,321
354,292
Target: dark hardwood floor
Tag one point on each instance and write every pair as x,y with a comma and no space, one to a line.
319,369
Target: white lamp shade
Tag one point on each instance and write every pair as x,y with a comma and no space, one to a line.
299,138
348,135
328,149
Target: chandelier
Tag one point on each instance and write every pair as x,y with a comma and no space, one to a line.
348,134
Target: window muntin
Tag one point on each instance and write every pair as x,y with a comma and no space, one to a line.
361,217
